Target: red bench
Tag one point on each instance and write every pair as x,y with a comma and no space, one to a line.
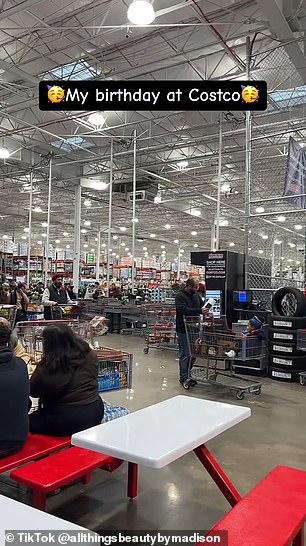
36,446
271,514
61,469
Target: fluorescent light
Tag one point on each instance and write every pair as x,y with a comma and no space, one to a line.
67,246
87,203
129,254
86,245
114,254
152,235
231,244
103,245
44,234
176,241
298,227
281,219
44,224
223,222
4,153
115,237
182,164
167,226
126,249
122,228
5,237
225,188
87,223
92,250
37,209
39,242
135,220
162,246
96,119
265,237
117,255
260,251
195,245
140,12
122,244
194,233
195,212
82,231
292,245
144,248
23,237
65,233
57,241
260,209
277,242
26,229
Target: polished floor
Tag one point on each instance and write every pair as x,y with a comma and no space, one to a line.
182,496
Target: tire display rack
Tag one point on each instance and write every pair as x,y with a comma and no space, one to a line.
287,347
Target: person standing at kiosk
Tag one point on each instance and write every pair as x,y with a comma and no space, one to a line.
188,302
53,296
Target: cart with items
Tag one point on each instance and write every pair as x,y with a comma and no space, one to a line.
160,328
114,369
213,351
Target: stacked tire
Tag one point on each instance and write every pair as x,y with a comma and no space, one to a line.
286,360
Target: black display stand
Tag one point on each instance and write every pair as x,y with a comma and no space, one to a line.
224,271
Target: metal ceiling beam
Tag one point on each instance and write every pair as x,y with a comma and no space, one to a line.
280,27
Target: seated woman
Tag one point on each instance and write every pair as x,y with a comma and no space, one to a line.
14,397
65,381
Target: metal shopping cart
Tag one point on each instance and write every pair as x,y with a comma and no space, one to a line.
161,332
114,369
213,350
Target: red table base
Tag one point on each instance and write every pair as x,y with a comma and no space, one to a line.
214,470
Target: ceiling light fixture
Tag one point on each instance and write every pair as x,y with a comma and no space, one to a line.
122,228
87,203
65,233
260,209
23,237
176,241
194,233
96,119
87,223
167,226
103,245
298,227
152,235
196,245
5,237
4,153
162,246
281,219
144,248
44,224
265,237
231,244
44,234
92,250
57,241
67,246
37,209
82,231
115,237
141,12
183,164
195,212
85,246
39,242
260,251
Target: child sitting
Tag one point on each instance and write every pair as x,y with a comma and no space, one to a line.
254,328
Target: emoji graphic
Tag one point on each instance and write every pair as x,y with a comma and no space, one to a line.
55,93
249,93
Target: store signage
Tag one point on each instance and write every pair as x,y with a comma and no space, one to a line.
215,267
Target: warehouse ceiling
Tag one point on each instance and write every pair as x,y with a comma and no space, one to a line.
188,40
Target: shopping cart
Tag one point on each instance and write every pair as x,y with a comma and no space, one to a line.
114,369
161,331
9,313
213,351
134,317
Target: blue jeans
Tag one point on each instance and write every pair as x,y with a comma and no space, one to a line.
184,357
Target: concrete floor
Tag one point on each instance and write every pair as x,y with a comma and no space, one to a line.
182,496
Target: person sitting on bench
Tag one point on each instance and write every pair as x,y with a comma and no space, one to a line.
66,382
14,396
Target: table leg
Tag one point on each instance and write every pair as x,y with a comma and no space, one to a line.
217,474
132,481
299,539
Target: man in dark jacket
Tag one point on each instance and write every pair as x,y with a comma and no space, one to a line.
53,296
14,397
188,302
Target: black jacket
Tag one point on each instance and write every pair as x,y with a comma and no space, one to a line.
186,305
74,388
14,398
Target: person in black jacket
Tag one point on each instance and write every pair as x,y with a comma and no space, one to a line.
53,296
188,302
14,397
66,382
